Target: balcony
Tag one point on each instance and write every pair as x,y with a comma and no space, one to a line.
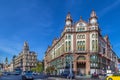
81,51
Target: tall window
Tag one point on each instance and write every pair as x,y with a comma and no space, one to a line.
81,45
78,45
94,45
68,45
69,36
81,36
94,35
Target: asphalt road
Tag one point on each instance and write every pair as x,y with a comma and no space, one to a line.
40,77
18,77
10,77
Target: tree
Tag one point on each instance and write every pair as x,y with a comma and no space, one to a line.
33,69
50,69
39,68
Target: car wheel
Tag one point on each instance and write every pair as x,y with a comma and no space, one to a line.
110,79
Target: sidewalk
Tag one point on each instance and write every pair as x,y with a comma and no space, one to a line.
57,78
77,78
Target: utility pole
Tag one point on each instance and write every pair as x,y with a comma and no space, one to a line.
71,73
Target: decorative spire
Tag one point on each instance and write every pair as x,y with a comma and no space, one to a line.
25,43
68,17
68,20
26,47
80,18
93,14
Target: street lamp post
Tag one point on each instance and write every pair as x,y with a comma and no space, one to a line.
71,73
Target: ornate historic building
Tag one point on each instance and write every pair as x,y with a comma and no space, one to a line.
26,59
82,44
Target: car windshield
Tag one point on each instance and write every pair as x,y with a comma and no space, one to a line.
116,74
28,73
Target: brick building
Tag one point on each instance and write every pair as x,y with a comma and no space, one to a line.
26,59
82,44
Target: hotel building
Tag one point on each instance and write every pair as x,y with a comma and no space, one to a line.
83,45
26,59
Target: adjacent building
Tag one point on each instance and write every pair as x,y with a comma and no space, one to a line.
119,64
26,59
81,44
1,67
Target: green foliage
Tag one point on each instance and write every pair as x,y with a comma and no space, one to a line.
38,68
33,69
50,69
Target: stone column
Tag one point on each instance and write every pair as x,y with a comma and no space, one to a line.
75,67
87,65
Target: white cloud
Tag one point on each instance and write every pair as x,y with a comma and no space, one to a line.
10,47
2,59
110,7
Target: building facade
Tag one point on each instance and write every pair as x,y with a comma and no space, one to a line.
1,67
119,64
26,59
83,45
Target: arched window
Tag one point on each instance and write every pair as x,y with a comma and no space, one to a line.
66,37
69,36
83,36
94,58
69,45
66,45
78,36
93,35
96,46
81,45
96,36
93,45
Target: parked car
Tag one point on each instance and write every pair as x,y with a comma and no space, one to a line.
17,72
27,75
114,77
6,73
95,75
67,74
1,74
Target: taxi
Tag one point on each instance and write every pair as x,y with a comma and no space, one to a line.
114,77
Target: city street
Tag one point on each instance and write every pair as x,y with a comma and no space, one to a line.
57,78
18,77
11,77
42,77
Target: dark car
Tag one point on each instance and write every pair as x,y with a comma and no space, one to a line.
27,76
67,74
95,75
6,73
17,72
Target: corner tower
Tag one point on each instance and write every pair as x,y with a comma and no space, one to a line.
93,18
68,20
26,47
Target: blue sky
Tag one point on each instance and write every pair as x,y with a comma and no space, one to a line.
39,21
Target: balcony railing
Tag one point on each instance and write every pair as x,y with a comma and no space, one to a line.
77,51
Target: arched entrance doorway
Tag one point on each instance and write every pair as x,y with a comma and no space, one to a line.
81,65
